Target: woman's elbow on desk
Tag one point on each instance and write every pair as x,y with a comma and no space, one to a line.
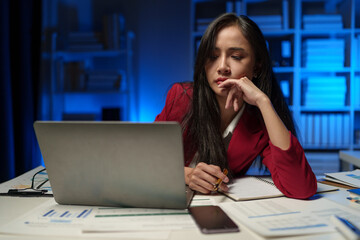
301,190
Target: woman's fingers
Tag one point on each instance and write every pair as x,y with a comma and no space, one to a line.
229,98
224,187
241,89
204,177
233,98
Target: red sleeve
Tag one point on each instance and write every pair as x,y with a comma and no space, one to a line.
290,170
176,104
168,105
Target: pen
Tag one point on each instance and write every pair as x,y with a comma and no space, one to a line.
219,181
345,227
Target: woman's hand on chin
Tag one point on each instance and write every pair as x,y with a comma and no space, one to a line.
240,90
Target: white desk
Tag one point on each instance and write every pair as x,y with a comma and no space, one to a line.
13,207
349,157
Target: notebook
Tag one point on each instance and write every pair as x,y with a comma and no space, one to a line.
115,163
253,187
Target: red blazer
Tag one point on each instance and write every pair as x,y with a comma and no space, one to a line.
289,169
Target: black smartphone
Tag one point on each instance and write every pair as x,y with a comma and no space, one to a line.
212,219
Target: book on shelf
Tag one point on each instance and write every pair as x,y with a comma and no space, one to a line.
324,91
286,53
331,43
74,78
356,49
358,52
78,116
339,127
316,100
268,22
309,136
323,53
324,103
229,6
314,58
103,81
346,129
285,88
325,129
202,24
270,27
285,14
302,129
332,126
238,7
320,65
114,31
89,37
322,21
266,19
323,26
85,41
322,18
317,125
356,97
111,114
326,80
357,136
86,47
285,48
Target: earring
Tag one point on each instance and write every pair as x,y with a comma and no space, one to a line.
255,75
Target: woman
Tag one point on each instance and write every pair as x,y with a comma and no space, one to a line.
234,111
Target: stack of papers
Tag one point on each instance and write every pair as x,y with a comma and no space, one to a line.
283,217
349,178
52,219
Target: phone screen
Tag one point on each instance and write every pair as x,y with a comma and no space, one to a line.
212,219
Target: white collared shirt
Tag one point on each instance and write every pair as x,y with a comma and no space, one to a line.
227,134
231,127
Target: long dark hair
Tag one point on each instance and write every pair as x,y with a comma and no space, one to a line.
202,122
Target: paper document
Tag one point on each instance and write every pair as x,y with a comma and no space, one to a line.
350,178
25,180
202,200
52,219
287,217
250,188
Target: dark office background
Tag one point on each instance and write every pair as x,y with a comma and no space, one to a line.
162,39
20,73
35,62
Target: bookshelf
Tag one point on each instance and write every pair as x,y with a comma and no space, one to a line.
315,49
92,73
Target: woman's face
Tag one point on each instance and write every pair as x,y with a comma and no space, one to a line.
233,57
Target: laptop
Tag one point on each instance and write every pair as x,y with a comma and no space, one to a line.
118,164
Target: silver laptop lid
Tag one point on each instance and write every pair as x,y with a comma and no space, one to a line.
114,163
